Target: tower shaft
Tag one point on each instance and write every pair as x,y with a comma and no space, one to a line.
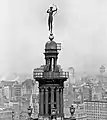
51,83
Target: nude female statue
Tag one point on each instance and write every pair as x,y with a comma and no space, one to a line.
50,11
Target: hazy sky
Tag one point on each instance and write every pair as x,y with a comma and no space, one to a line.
80,25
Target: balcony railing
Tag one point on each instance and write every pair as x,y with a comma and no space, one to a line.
48,75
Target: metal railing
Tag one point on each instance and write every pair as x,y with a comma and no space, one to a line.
38,74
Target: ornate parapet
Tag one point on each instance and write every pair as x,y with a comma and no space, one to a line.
50,75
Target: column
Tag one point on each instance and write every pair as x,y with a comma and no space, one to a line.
61,100
52,97
46,101
39,100
57,100
42,101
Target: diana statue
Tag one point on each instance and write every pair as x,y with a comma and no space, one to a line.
50,11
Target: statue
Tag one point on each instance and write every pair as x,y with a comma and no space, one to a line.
50,18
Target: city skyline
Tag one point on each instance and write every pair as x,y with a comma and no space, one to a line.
81,27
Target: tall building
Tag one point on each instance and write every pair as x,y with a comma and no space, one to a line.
72,75
96,110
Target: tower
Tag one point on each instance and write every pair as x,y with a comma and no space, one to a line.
51,82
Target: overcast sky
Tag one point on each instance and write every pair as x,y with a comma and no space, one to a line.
80,26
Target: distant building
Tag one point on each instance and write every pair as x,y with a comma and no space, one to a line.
80,113
1,94
35,89
6,92
86,93
36,109
96,93
65,93
77,90
96,110
27,87
1,91
82,93
8,89
8,82
16,106
27,90
6,115
66,96
104,95
17,91
67,113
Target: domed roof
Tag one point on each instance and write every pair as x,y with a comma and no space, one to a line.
51,45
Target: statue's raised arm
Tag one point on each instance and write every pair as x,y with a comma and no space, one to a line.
50,11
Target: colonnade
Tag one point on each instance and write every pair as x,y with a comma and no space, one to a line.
50,97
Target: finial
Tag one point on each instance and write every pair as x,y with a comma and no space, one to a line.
51,37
